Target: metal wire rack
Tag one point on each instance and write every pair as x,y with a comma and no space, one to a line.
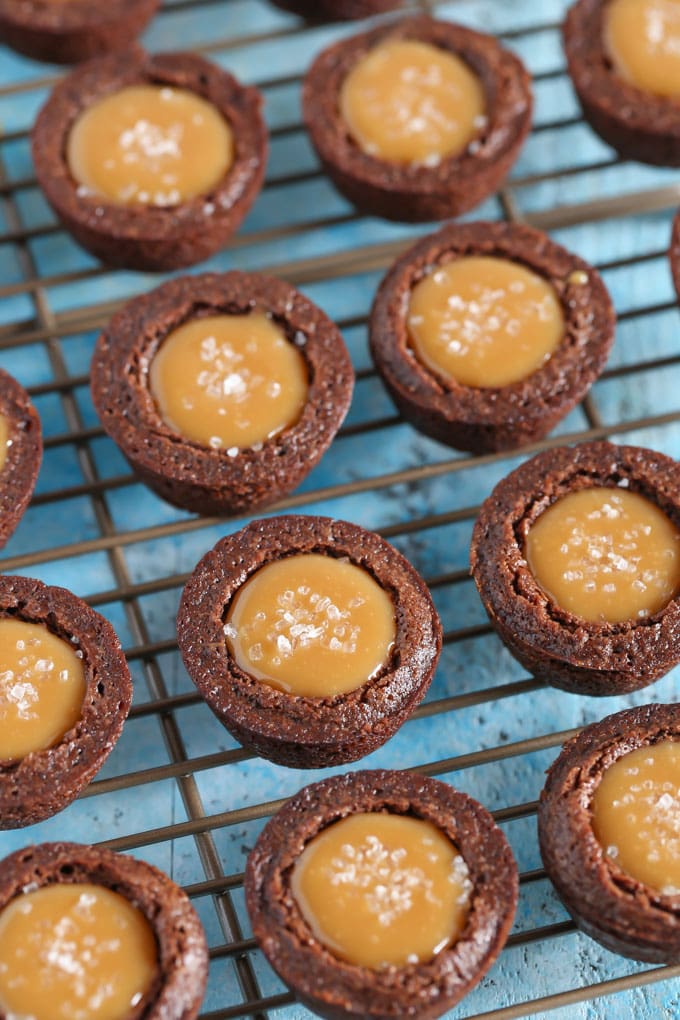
177,790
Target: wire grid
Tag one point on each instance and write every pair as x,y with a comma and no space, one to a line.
177,790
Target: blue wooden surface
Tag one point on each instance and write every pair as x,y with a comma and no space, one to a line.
574,167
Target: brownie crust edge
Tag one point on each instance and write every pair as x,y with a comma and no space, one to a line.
556,646
336,989
304,732
623,914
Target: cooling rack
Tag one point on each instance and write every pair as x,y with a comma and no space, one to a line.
177,790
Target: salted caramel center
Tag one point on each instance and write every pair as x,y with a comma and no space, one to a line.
409,102
606,554
380,889
42,686
636,815
484,321
74,952
4,440
150,145
311,625
642,40
229,381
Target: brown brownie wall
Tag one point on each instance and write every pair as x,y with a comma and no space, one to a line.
419,193
306,732
502,418
336,989
144,237
553,644
197,477
622,913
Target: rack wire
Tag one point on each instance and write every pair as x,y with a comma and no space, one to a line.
177,790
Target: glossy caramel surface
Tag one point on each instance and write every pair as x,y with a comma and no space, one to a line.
606,554
381,889
636,815
74,952
229,381
311,625
42,686
408,102
484,321
149,145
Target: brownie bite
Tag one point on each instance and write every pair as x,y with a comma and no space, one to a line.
623,61
240,469
592,606
321,977
132,117
608,835
68,33
420,167
489,293
149,917
327,660
20,453
65,692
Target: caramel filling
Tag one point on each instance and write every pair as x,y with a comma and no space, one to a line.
642,40
380,889
484,321
4,440
74,952
42,687
408,102
605,554
229,381
636,815
311,625
150,145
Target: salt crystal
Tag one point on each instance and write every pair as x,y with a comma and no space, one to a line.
283,644
255,653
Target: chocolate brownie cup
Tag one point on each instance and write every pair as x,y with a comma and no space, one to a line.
193,475
488,418
20,453
337,10
177,988
625,914
38,784
639,124
416,191
139,235
323,981
586,656
68,33
305,731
